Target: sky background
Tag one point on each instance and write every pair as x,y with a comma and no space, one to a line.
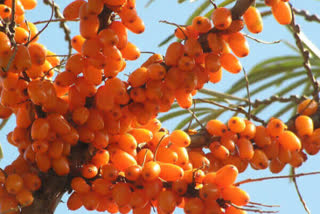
281,192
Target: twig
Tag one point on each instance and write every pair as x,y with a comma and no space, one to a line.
306,56
174,24
261,41
240,8
214,4
196,118
298,191
276,98
62,25
307,16
47,24
250,180
263,205
251,210
13,14
248,93
56,20
3,123
147,52
12,57
238,109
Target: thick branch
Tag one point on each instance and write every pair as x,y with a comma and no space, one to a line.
240,8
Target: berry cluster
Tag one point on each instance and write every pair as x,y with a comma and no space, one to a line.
102,132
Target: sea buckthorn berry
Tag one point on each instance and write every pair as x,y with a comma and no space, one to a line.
25,197
31,181
212,63
89,171
90,200
181,33
238,44
121,32
121,193
89,26
21,35
61,166
29,26
74,201
209,192
201,24
114,2
259,160
219,151
230,63
275,127
71,11
226,175
38,53
170,172
235,195
304,125
77,42
262,137
109,172
40,129
216,127
5,44
192,47
221,18
130,52
215,77
253,20
180,138
289,141
250,131
236,124
245,148
108,37
122,160
276,165
133,173
144,155
282,12
5,11
215,42
307,107
167,201
194,206
156,71
29,4
151,171
14,183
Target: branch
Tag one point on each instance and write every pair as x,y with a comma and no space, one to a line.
250,180
306,56
240,8
298,191
307,16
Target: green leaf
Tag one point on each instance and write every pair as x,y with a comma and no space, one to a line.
171,115
220,95
185,121
308,43
1,152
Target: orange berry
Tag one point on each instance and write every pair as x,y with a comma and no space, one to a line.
236,124
226,175
201,24
230,63
275,127
221,18
253,20
74,201
89,171
282,12
216,127
307,107
151,171
304,125
289,141
14,183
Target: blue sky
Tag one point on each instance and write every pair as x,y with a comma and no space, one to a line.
280,192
